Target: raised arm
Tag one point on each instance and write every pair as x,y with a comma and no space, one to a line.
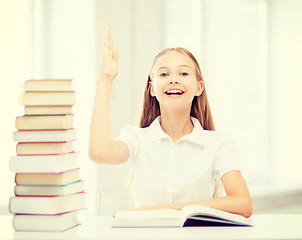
101,148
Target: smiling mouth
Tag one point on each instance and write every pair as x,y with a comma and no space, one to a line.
174,92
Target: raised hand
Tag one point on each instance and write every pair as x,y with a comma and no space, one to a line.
101,147
109,65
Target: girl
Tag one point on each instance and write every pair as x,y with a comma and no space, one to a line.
175,154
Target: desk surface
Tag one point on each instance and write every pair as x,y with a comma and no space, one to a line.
98,227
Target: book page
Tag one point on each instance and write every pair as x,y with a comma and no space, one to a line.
149,218
195,210
150,214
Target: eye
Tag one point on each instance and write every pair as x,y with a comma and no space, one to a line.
184,74
163,74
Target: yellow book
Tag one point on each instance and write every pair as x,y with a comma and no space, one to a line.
45,122
44,148
48,85
48,98
47,178
48,110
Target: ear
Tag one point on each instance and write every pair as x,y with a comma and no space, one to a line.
151,89
199,89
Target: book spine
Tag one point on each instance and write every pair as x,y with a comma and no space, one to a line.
35,159
46,205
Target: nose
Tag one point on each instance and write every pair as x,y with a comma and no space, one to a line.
173,81
174,78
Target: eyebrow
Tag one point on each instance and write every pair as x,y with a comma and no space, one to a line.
178,66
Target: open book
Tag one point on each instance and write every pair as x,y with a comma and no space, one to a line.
192,215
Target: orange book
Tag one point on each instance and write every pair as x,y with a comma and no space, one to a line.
48,110
48,85
47,178
44,148
44,122
48,98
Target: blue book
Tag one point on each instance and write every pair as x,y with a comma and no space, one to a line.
49,190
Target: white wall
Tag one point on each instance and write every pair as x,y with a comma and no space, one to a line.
137,33
69,50
248,51
229,38
286,82
15,63
233,52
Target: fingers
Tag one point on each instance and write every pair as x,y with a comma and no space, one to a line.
107,37
115,54
108,46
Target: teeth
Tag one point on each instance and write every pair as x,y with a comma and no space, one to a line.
174,91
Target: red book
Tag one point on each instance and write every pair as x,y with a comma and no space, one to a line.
30,148
44,122
61,178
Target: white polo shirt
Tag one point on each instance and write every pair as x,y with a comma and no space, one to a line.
166,172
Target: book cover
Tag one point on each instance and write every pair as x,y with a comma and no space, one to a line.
48,85
48,98
49,190
47,205
189,216
42,223
44,122
48,110
30,148
47,178
55,135
52,163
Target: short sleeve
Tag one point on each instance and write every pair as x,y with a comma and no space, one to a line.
129,136
226,156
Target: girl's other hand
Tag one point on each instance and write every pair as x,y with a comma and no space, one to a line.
109,65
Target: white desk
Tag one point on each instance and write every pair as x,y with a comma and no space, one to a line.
266,227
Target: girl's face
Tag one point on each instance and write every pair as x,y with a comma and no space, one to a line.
174,80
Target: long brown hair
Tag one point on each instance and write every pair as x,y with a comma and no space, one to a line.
200,108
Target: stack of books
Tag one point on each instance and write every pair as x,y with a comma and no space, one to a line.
48,191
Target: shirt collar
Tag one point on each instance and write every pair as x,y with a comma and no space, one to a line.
155,133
